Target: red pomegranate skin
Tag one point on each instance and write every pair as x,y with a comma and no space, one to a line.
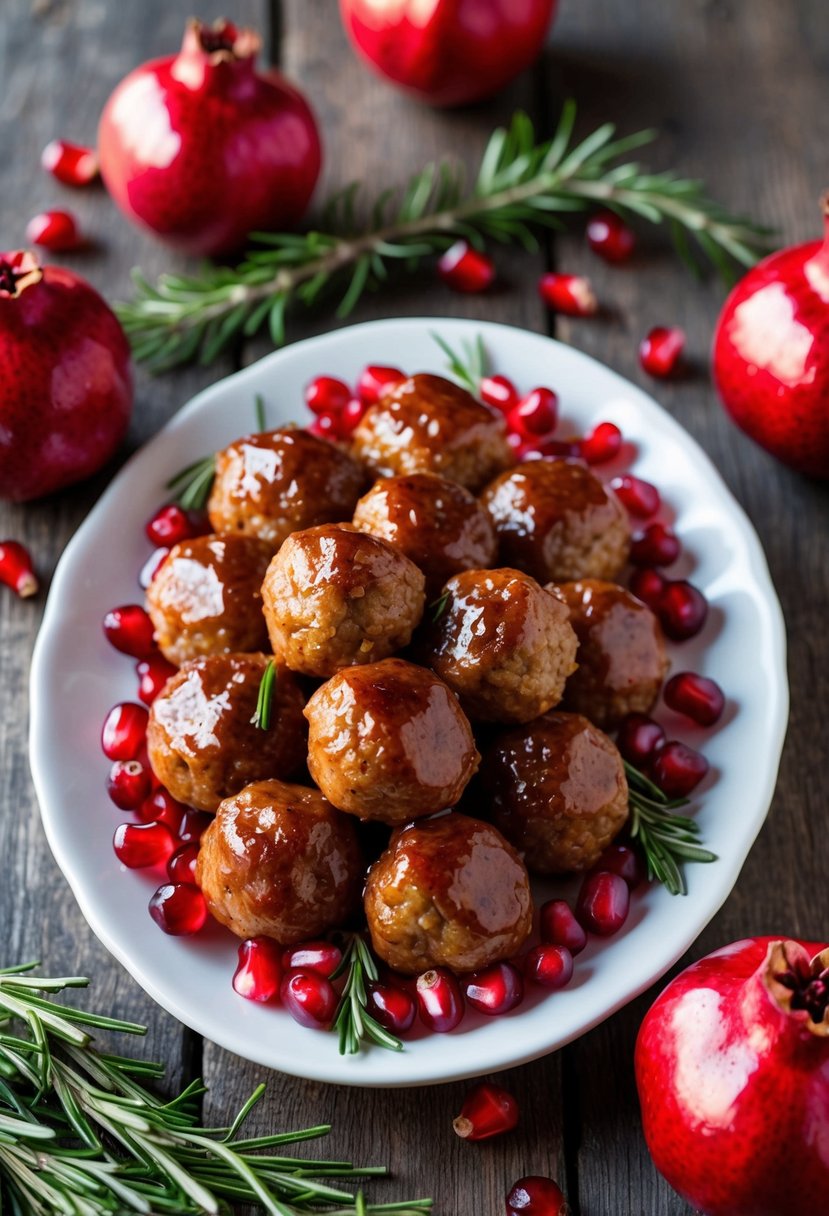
448,52
201,149
66,384
734,1089
771,355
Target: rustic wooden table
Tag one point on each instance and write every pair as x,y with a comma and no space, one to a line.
737,90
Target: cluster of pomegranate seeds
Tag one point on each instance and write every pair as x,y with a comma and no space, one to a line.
178,908
140,845
321,957
124,731
439,1000
536,1196
55,230
310,999
550,966
570,294
610,237
496,989
487,1111
603,902
466,269
338,409
17,569
638,497
392,1006
153,673
258,974
130,630
681,607
660,351
698,697
71,164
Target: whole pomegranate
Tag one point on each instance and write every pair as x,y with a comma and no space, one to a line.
771,354
732,1064
202,149
448,52
66,387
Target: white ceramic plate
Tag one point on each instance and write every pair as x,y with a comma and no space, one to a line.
76,677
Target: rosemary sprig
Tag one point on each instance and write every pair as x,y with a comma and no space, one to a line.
438,606
352,1022
522,183
666,840
264,702
81,1136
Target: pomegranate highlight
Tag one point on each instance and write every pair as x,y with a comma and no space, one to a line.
771,354
732,1065
201,149
66,394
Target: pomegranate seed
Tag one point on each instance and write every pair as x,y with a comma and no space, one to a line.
373,379
466,269
602,444
487,1111
124,731
639,497
349,417
677,769
535,415
259,972
610,237
603,903
638,738
570,294
695,696
536,1196
178,908
682,610
57,230
309,998
128,784
71,164
648,586
658,545
439,1000
327,395
160,805
660,350
151,567
621,859
391,1006
326,426
130,630
182,864
138,845
558,926
499,392
16,568
170,525
323,958
153,674
550,966
496,989
193,825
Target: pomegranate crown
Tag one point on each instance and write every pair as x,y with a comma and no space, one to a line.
19,269
798,984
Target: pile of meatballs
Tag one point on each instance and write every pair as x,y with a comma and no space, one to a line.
450,648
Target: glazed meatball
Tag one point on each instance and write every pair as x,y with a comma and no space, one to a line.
335,597
502,643
621,654
448,892
280,862
427,424
202,744
555,520
556,788
206,597
389,742
272,484
435,522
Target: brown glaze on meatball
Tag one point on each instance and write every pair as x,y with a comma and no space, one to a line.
555,520
621,654
502,643
202,744
435,522
557,790
389,742
448,892
335,597
428,424
272,484
206,597
280,862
